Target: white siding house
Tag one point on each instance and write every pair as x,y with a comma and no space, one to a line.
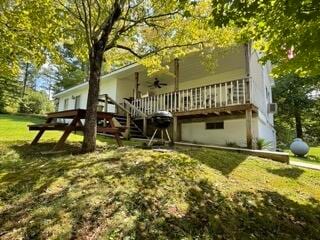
230,104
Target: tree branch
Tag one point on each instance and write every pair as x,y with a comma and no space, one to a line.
85,21
108,24
99,9
143,20
156,50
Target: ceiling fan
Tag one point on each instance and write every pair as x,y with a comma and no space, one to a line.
157,84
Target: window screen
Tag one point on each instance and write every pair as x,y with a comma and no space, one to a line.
77,102
215,125
66,104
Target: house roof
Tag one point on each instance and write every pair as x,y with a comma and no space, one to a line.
110,74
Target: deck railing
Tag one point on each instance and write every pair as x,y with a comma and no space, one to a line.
235,92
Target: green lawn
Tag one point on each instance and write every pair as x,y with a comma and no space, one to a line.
131,193
312,157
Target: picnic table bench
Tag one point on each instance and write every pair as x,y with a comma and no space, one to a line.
74,124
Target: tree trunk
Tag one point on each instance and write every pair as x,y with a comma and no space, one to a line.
25,80
90,126
297,116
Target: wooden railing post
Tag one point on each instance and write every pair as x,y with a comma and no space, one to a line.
250,90
177,74
231,93
248,93
106,102
128,125
144,126
238,93
220,95
175,129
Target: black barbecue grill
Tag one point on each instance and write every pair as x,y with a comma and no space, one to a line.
161,120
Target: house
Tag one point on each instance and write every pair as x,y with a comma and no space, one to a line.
230,105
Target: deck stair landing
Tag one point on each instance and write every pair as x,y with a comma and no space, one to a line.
135,131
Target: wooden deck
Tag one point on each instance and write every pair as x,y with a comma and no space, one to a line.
221,97
218,111
75,116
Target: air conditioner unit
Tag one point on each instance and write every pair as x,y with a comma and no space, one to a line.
272,108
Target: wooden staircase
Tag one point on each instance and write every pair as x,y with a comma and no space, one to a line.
127,115
135,131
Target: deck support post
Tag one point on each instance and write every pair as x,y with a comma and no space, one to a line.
247,53
128,124
106,103
249,128
145,126
176,130
136,90
176,74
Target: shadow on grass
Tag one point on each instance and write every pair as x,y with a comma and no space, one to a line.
98,195
287,172
28,178
266,215
27,150
223,161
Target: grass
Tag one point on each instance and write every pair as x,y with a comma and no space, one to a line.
312,157
131,193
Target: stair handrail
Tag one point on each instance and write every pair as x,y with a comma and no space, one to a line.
127,112
126,102
117,104
143,115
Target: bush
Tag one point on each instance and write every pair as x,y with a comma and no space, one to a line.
12,107
36,103
261,143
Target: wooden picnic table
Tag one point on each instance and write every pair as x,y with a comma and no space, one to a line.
74,124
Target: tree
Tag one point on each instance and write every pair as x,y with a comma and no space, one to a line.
25,44
36,102
9,91
287,32
109,33
26,36
29,74
143,29
70,72
293,95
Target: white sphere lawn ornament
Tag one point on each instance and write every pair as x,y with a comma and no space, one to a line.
299,147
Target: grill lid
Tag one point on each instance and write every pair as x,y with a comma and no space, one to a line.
162,114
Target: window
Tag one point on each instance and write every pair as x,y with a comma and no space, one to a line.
66,104
215,125
77,102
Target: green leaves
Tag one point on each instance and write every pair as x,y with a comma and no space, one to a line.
279,25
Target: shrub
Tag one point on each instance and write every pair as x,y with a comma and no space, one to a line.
261,143
12,107
35,102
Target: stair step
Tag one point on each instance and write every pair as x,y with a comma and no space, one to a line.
121,119
135,131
